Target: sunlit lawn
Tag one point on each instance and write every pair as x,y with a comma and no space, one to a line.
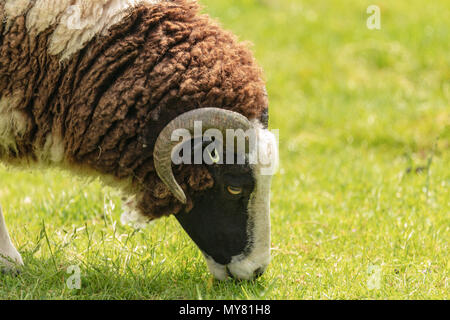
360,205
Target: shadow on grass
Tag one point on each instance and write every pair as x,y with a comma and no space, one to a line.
49,279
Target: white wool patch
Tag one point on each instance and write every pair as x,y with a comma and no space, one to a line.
13,9
12,123
53,150
45,13
80,21
132,216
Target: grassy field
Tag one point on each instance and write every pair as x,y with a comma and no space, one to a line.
360,205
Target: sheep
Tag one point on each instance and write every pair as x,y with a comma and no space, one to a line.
97,86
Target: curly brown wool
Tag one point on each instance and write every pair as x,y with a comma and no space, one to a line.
110,100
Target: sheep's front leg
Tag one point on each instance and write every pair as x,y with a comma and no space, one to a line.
10,258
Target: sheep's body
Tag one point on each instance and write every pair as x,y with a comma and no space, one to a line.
89,84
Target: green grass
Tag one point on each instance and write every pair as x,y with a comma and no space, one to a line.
362,193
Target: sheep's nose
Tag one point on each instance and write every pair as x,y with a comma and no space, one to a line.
255,275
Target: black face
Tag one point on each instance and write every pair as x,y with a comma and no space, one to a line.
218,223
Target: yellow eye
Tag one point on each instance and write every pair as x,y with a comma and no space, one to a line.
234,190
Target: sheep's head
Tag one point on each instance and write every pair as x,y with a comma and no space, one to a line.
230,222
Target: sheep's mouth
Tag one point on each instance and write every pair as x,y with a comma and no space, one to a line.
256,274
239,271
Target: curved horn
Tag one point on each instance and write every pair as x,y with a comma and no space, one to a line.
211,118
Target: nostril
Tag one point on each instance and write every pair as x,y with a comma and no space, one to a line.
258,273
